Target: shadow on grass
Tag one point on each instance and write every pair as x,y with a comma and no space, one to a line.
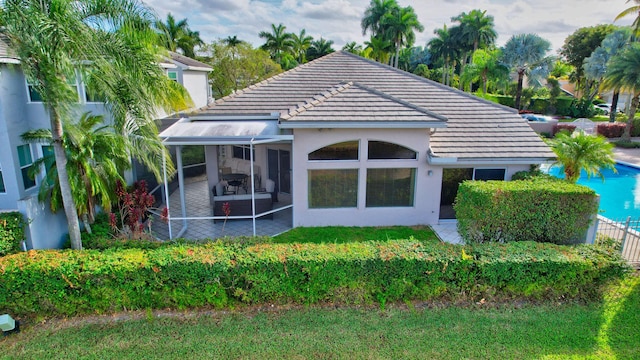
624,329
344,234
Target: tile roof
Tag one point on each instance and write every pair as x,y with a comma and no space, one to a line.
188,61
5,52
353,102
476,129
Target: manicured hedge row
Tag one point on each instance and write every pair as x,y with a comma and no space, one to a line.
538,209
11,232
80,282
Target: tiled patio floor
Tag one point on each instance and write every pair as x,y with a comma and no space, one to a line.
198,205
447,231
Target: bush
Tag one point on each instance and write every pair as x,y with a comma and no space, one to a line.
563,127
222,275
540,209
11,232
611,130
627,144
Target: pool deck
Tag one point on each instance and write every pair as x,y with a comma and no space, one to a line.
630,156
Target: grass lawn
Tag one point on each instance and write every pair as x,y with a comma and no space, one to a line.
342,234
606,330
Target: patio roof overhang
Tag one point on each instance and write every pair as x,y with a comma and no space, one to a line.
224,130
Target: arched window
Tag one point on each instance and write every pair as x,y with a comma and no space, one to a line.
382,150
347,150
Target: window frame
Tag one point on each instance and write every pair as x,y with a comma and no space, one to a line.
504,177
169,72
3,186
358,153
75,84
246,152
415,158
26,167
356,171
412,193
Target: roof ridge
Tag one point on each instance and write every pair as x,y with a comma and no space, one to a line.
271,79
317,99
429,81
342,87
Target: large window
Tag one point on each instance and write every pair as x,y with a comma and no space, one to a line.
26,164
347,150
2,188
489,174
243,152
379,150
390,187
34,95
335,188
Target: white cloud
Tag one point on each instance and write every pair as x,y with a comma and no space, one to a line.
339,20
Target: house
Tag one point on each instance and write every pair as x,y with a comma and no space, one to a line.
349,141
21,110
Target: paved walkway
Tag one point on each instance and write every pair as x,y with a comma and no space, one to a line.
630,156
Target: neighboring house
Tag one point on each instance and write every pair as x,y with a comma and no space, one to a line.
21,110
354,142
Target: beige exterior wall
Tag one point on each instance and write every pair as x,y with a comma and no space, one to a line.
428,179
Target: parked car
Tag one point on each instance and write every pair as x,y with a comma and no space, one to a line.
607,108
535,117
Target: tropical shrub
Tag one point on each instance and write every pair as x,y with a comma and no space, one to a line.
11,232
611,130
563,127
220,274
540,209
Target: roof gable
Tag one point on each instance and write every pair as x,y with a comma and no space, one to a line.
355,103
190,63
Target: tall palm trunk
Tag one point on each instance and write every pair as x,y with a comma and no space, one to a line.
519,89
614,106
626,136
397,53
65,187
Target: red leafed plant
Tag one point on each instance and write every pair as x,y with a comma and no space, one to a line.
133,210
226,209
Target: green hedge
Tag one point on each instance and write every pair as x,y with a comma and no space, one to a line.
539,209
11,232
68,282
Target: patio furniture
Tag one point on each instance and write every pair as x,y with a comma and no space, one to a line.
240,205
236,180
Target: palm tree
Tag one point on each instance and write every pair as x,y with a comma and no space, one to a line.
352,47
485,64
320,48
580,151
110,44
96,156
372,20
444,47
633,10
623,73
170,31
278,42
188,41
232,41
477,28
523,53
378,49
300,45
399,25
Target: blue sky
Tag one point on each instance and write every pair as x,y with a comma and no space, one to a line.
339,20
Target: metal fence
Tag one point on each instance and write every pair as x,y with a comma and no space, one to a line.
626,232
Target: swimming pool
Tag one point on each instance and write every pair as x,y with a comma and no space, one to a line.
619,193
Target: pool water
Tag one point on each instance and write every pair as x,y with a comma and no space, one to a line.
619,192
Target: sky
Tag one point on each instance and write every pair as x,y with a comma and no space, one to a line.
339,20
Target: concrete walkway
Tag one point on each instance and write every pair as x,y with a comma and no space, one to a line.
630,156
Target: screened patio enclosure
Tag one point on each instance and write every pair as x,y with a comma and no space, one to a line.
246,188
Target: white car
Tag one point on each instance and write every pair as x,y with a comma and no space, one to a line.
607,108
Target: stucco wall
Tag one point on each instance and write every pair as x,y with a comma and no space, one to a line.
427,192
45,230
196,84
